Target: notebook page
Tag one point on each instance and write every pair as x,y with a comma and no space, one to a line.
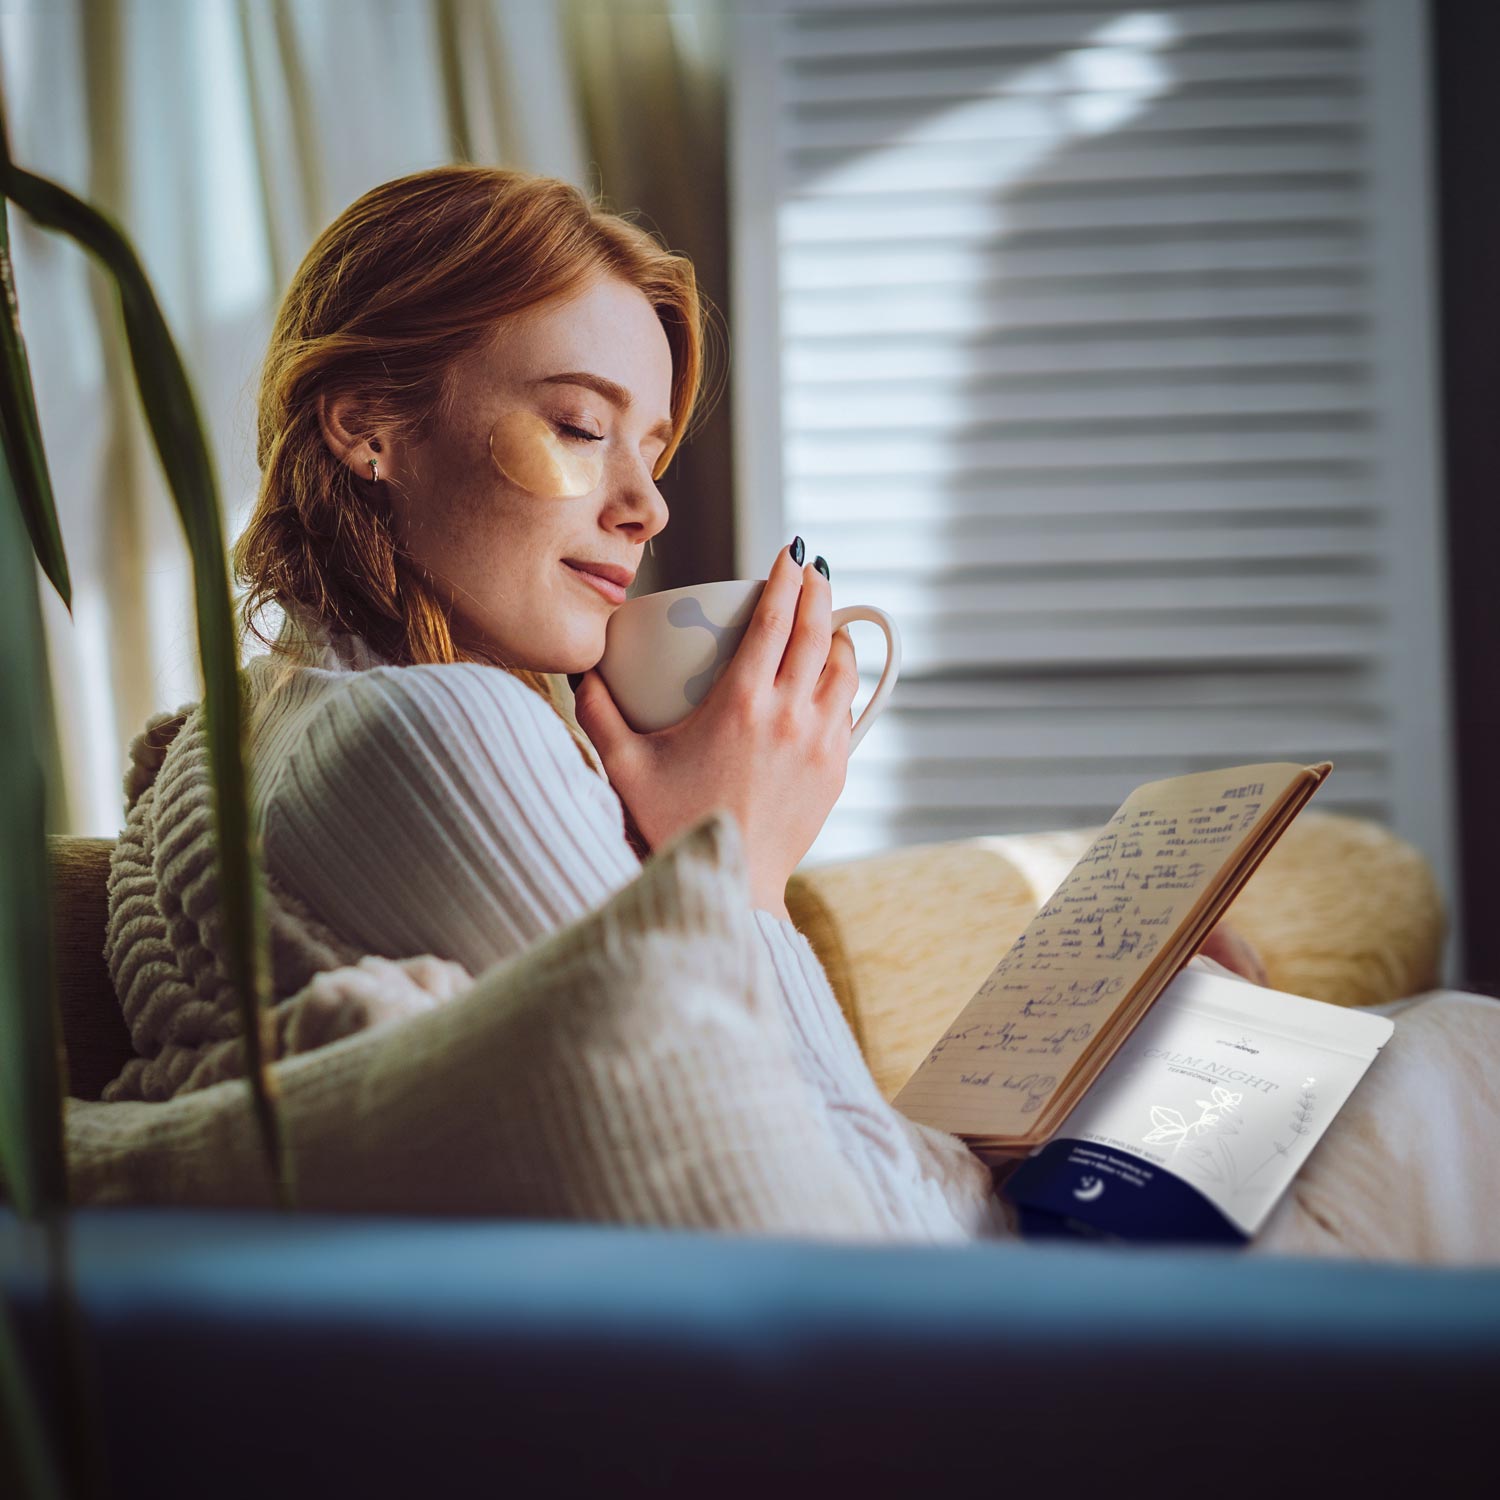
1084,953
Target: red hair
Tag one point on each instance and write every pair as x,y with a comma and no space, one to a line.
393,295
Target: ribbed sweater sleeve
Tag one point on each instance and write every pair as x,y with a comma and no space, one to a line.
444,809
929,1178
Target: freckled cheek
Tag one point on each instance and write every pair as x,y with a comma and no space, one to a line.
506,546
529,452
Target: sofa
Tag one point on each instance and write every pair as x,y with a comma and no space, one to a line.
253,1352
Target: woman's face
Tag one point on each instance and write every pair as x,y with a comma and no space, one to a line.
504,489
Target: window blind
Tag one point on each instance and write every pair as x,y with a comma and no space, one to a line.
1093,343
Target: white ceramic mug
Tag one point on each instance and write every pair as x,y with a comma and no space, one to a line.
663,652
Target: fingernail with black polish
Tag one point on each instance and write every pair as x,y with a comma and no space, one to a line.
821,566
797,550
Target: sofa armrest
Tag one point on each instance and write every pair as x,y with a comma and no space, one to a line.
244,1355
1341,910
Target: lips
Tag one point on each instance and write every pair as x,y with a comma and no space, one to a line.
612,571
611,590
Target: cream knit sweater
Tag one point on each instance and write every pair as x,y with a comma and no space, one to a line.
439,817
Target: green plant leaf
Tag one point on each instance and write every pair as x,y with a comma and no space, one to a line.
22,433
32,1157
32,1073
172,415
33,1068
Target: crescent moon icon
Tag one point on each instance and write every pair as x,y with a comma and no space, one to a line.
1089,1189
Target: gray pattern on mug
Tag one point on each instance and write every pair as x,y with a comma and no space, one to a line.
687,614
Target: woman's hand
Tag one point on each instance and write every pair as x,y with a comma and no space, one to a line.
770,741
1226,945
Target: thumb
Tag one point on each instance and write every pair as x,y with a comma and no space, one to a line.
599,718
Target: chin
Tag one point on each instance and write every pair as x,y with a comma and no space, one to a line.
584,648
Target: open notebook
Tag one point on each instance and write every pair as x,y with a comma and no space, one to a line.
1105,944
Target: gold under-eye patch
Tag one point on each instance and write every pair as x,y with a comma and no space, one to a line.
530,452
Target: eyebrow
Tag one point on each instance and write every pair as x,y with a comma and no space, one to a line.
610,390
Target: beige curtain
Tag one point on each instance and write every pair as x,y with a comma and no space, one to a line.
223,135
650,78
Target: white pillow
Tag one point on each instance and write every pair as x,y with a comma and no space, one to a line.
630,1068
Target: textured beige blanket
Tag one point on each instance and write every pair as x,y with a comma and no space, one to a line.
1410,1168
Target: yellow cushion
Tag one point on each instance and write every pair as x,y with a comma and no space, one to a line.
95,1038
1341,910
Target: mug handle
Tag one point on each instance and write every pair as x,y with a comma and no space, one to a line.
841,617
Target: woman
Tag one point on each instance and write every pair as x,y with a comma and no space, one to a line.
473,385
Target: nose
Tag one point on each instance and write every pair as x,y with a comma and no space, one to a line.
639,496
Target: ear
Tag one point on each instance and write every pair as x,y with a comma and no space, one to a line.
347,438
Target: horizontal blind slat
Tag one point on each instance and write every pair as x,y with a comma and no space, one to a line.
1101,792
895,455
1086,352
945,408
1048,118
966,507
1007,600
860,265
1083,210
987,738
959,311
1099,70
863,34
1126,641
918,170
924,546
1307,690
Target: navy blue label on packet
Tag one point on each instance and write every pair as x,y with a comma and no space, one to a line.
1076,1188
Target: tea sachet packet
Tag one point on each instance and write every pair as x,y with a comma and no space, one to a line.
1198,1124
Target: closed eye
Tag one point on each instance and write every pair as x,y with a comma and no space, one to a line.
579,434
